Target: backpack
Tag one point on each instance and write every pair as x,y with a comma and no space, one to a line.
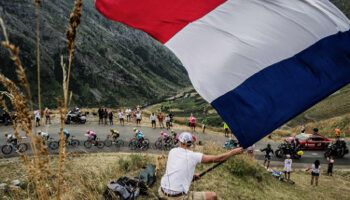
147,177
124,188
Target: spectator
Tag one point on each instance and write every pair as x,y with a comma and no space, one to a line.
138,119
100,116
160,120
302,130
204,125
171,115
330,165
287,167
315,173
121,117
268,154
47,115
167,122
105,115
226,130
315,131
128,114
250,151
193,123
110,116
153,120
37,118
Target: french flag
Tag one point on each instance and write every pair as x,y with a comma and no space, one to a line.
258,62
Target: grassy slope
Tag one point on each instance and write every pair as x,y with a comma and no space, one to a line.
240,178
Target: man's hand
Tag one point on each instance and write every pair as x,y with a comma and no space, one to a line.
237,151
196,177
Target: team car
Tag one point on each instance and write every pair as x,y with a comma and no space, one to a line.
310,141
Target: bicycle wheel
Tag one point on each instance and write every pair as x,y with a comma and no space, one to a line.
145,144
100,144
22,147
119,143
75,143
158,144
87,144
133,144
108,142
6,149
53,145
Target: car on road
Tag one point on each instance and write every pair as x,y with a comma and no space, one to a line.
311,141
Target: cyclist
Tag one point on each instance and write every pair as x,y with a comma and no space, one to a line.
11,138
114,134
66,134
92,135
165,136
139,136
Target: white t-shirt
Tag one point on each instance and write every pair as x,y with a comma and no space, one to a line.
288,165
138,115
180,169
36,114
314,170
167,119
128,111
120,115
43,134
152,117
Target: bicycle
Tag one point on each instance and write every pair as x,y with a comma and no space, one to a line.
89,142
165,144
55,144
117,142
9,147
135,144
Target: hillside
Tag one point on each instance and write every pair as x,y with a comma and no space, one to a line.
113,65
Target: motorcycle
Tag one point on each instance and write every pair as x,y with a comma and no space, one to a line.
75,116
337,150
283,149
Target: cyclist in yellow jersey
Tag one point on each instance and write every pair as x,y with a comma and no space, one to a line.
114,134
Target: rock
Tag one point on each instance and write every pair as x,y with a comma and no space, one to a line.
3,186
14,187
16,183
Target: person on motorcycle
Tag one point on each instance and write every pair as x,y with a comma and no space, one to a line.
337,133
66,134
268,152
315,131
92,135
114,134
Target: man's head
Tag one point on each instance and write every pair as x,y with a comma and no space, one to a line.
186,139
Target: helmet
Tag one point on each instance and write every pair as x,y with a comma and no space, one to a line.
172,131
134,129
6,133
161,132
88,131
316,130
65,131
300,153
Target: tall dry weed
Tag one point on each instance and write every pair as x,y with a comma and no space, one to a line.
38,165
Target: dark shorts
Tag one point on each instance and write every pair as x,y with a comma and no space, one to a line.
286,172
121,119
138,120
37,119
315,174
153,121
267,158
192,124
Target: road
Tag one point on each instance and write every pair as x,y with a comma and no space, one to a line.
126,133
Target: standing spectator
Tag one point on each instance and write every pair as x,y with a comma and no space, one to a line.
138,108
193,123
330,165
204,124
337,133
250,151
128,114
302,129
287,167
268,153
37,118
160,119
315,131
110,116
226,130
121,117
167,122
315,173
171,115
138,119
105,115
153,120
100,116
47,115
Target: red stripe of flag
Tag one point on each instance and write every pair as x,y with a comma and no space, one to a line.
161,19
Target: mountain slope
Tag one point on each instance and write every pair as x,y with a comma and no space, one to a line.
113,65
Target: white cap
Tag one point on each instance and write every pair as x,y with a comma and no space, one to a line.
185,137
288,156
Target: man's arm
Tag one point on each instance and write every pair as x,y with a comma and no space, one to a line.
221,157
